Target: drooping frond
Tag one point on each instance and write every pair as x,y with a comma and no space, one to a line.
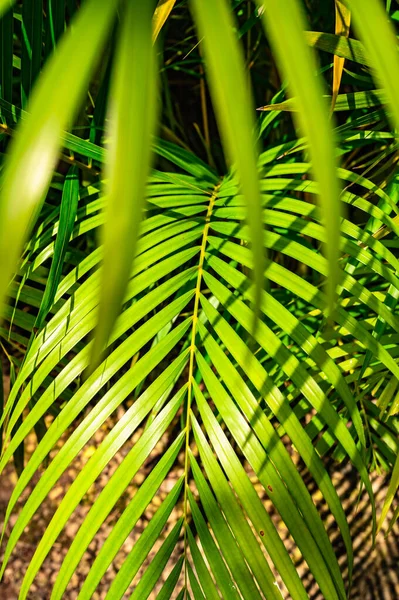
182,349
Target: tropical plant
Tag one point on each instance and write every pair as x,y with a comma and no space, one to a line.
219,337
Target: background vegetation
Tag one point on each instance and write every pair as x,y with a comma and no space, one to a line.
242,303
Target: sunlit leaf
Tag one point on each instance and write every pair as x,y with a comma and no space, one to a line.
285,23
5,5
35,149
133,95
380,42
162,12
342,25
233,103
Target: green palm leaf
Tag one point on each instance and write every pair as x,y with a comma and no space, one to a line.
173,295
128,160
285,25
60,92
233,105
214,222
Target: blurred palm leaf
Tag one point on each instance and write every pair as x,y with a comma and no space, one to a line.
53,106
285,24
5,5
128,159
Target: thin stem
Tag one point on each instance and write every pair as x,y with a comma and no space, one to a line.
191,366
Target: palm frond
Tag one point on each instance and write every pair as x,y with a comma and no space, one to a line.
216,346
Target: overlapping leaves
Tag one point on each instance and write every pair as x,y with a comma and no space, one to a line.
181,356
189,306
